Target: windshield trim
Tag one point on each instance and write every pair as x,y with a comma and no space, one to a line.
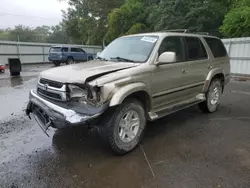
150,53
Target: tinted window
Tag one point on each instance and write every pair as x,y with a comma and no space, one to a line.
173,44
65,49
195,49
216,46
55,49
73,49
79,50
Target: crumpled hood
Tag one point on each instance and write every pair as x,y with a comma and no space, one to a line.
79,73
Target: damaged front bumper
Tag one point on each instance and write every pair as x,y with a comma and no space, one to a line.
48,113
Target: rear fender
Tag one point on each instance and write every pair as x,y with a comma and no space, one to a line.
210,77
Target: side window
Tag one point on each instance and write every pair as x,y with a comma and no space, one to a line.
73,49
173,44
216,46
80,50
65,49
195,49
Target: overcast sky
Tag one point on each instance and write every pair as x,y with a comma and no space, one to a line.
30,12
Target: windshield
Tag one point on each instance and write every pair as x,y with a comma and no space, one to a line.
55,49
133,49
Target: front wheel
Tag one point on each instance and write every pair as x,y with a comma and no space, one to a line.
57,63
213,97
123,127
69,61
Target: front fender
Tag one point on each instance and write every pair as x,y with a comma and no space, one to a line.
125,91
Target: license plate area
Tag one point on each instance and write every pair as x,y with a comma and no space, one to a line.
41,118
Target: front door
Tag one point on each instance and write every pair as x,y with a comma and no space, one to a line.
169,81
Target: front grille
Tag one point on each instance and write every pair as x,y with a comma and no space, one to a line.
49,94
51,83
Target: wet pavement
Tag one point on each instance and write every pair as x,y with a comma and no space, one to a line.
184,150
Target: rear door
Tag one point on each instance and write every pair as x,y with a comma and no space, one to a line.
198,59
221,59
81,54
74,54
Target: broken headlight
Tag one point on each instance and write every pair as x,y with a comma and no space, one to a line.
76,92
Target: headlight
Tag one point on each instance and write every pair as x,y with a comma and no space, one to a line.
77,92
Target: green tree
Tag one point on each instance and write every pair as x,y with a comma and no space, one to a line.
196,15
130,18
237,20
86,20
23,33
57,35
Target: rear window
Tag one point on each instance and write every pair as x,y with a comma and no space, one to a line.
195,49
216,46
55,49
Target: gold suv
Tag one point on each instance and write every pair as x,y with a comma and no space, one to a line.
135,79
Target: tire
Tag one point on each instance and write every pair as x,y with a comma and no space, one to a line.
70,60
57,63
90,58
2,71
110,131
210,105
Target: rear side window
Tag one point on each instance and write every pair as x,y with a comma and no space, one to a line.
73,49
79,50
216,46
55,49
195,49
65,49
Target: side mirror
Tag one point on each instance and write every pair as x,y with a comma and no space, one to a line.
166,58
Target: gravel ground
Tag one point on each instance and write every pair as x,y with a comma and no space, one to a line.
185,150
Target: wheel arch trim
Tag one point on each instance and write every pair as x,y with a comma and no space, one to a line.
125,91
210,77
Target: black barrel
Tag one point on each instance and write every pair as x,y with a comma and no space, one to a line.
15,66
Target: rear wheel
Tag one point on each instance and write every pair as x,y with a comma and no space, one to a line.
213,97
2,70
123,127
57,63
70,60
90,58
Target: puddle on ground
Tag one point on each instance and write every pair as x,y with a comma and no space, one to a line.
15,81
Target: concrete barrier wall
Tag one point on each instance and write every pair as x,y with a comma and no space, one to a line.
29,52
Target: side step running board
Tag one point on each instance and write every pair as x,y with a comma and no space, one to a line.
176,107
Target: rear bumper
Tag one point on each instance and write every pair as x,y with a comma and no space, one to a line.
49,114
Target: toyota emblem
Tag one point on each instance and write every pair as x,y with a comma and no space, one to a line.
46,87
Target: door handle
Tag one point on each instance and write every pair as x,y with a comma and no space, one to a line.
184,71
209,66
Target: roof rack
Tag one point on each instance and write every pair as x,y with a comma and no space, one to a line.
186,31
178,30
202,33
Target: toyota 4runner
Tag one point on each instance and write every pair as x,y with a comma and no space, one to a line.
135,79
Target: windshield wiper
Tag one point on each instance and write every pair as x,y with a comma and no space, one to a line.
103,59
122,59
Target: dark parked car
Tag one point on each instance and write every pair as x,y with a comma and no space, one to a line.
2,68
68,55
